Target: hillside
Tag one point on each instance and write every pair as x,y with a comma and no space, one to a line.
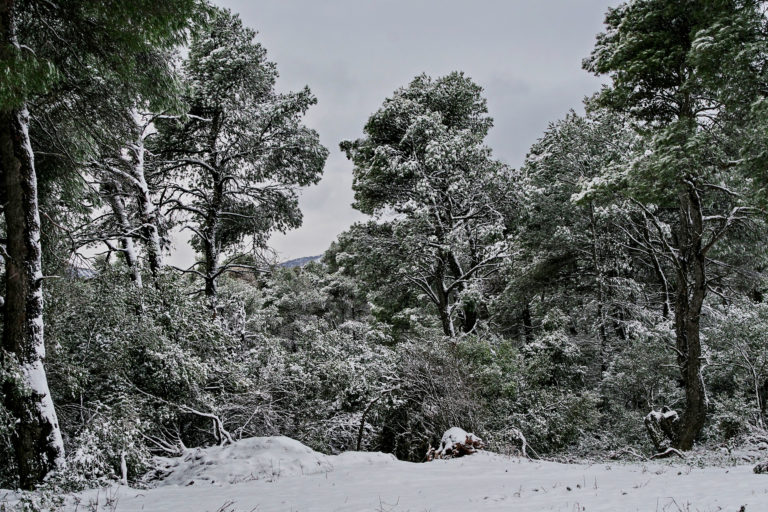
300,262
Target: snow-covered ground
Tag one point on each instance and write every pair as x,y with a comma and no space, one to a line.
280,474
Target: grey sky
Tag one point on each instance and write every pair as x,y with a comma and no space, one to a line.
353,53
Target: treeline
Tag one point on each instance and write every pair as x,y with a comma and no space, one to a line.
619,271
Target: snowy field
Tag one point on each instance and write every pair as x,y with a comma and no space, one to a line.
280,474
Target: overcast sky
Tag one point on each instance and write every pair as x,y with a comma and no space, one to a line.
354,53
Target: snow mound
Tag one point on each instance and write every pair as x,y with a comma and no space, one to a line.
456,435
256,458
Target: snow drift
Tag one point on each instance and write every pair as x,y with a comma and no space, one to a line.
257,458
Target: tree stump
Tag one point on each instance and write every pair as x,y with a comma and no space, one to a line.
662,428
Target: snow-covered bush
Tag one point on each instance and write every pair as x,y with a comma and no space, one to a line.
519,393
155,370
637,380
130,365
732,418
737,372
433,394
111,440
315,389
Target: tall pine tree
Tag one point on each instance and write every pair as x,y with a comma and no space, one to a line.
661,55
242,152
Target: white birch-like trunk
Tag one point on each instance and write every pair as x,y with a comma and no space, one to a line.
127,247
147,210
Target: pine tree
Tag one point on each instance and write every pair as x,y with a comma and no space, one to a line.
241,153
423,158
573,238
660,55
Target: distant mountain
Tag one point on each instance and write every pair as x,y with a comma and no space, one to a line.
81,272
300,262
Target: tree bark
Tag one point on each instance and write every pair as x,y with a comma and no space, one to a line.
37,440
211,245
689,298
127,247
527,323
211,265
147,210
469,317
444,310
468,311
600,291
443,298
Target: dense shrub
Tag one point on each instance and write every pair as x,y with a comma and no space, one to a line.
137,372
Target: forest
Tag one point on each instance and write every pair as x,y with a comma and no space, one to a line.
606,301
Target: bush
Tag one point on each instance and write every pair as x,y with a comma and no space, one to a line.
432,395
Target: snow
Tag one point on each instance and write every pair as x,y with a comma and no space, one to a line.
668,414
307,481
256,458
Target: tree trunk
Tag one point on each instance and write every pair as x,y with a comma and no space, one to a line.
127,247
662,428
443,300
468,312
527,323
690,293
211,267
37,439
211,247
659,271
469,317
444,310
600,292
147,210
